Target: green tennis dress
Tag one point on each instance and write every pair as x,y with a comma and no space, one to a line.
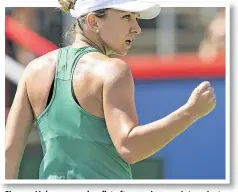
75,143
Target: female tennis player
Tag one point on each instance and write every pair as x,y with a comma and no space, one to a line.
83,101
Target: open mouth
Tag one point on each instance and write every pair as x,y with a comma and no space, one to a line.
128,42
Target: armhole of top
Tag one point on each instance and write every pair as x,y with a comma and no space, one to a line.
73,69
52,89
50,94
73,93
53,85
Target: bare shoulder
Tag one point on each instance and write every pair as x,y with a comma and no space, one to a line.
41,64
115,69
109,69
118,71
118,65
43,61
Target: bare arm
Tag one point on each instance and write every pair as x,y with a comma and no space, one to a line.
133,142
19,123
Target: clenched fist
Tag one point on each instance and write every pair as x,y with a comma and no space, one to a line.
202,100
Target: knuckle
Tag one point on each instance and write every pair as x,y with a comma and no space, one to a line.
207,83
210,89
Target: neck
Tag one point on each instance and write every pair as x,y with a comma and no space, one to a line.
82,40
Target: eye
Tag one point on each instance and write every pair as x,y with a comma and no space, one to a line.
127,17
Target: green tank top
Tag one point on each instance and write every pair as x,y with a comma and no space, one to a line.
75,143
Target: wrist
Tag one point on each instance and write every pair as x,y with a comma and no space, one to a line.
189,110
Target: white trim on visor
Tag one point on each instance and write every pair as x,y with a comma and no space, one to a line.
148,9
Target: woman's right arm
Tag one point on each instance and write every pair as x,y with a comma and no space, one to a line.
137,142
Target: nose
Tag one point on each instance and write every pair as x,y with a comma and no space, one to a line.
136,28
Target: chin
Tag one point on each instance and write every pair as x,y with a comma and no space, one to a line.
118,50
121,52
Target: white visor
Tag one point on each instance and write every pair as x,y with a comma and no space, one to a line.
148,9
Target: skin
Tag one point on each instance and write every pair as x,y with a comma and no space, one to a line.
110,94
213,43
123,26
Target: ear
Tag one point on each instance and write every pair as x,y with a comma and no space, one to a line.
92,22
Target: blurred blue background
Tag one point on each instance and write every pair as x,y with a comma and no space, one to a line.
199,152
